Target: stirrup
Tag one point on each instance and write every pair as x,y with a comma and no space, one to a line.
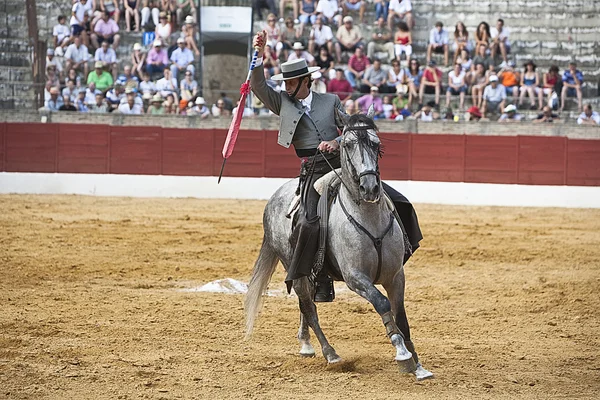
324,292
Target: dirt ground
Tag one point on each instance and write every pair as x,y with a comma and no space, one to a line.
503,303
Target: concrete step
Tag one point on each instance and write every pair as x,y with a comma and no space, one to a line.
16,74
13,45
15,59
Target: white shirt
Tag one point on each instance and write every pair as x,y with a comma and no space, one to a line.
595,116
109,57
80,10
77,54
400,8
54,62
322,35
164,85
147,87
307,101
61,32
328,8
90,97
182,57
457,80
305,54
504,34
125,109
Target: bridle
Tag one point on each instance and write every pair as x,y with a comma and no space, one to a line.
353,174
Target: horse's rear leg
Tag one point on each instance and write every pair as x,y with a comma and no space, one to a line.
396,294
362,285
309,315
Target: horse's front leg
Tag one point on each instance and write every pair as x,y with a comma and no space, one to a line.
308,309
306,348
362,285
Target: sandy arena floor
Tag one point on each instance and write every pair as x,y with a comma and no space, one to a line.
503,303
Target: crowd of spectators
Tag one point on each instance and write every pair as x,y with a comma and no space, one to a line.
475,69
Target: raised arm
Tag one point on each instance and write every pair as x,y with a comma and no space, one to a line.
270,98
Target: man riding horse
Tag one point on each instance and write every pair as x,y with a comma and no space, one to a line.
310,122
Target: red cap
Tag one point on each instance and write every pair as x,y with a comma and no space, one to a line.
474,111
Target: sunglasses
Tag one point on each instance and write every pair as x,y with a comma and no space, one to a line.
271,20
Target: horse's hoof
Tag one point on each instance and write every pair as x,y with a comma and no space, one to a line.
307,350
422,374
334,359
407,366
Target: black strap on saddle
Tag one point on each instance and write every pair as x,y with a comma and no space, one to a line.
377,242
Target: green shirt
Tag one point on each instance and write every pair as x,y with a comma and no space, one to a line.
156,110
103,82
399,103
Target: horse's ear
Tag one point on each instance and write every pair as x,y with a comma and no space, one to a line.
371,111
341,117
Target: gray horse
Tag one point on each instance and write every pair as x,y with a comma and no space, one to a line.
359,214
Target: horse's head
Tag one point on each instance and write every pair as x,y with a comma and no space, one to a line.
360,150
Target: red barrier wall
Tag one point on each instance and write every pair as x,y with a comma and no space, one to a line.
152,150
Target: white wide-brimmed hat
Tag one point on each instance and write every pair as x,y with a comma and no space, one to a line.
294,69
200,101
157,98
189,20
510,108
297,46
137,46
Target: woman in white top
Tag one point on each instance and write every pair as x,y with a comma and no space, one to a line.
397,78
163,29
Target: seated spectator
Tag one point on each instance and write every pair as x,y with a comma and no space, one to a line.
461,40
188,86
530,82
52,76
157,59
167,85
138,60
115,96
108,57
78,11
106,29
77,56
187,32
132,12
413,75
70,90
55,101
73,76
156,106
100,77
328,10
397,80
150,8
494,96
185,8
572,80
299,52
99,106
259,5
482,58
318,84
364,102
356,68
294,3
465,62
479,80
382,8
473,114
500,40
325,63
456,85
403,41
482,36
388,108
288,37
350,107
589,117
128,78
130,106
146,85
320,36
426,114
340,86
219,110
438,42
228,101
546,116
273,31
163,29
308,13
182,59
431,83
90,93
110,7
61,33
551,81
54,61
381,41
67,105
355,5
270,61
199,108
349,38
80,103
510,114
400,9
510,79
400,104
375,76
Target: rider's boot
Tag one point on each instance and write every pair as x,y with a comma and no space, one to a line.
324,292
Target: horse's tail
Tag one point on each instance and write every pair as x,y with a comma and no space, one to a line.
261,276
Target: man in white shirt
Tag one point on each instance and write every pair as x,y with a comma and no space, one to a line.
182,59
299,52
400,9
320,35
90,94
107,55
500,40
329,10
130,106
52,60
167,85
78,11
61,32
438,42
77,56
494,96
589,117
